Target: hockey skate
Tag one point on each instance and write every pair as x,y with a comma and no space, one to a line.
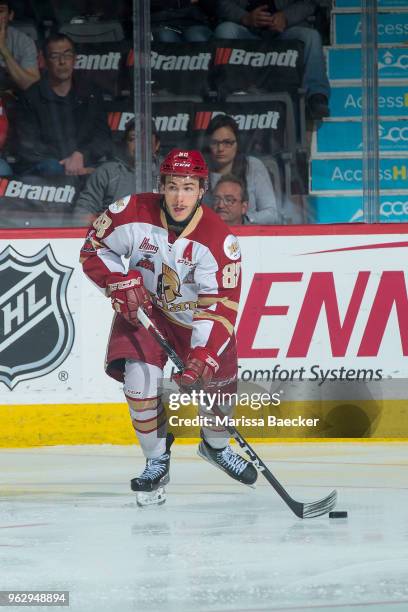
230,462
149,486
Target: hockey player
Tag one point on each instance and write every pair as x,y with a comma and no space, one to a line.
184,270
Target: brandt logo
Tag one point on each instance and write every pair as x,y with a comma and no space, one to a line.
36,327
240,57
256,121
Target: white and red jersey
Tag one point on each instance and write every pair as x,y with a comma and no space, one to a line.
194,279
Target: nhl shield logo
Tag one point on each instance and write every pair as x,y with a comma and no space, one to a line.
36,327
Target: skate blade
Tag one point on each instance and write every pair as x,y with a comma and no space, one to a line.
200,454
151,498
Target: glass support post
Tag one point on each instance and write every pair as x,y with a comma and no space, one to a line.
142,96
369,59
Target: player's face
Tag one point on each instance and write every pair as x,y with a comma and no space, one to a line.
181,194
228,203
223,147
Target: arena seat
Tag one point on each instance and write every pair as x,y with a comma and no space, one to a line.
94,31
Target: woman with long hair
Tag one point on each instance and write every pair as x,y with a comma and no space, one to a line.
225,157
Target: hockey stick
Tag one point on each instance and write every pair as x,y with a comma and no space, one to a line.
302,510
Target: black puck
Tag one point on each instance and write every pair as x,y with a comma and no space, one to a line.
338,514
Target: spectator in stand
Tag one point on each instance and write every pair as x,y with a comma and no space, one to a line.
230,200
18,54
225,158
115,179
182,20
283,20
60,129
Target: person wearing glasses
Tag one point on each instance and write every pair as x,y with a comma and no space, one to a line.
230,200
225,157
60,129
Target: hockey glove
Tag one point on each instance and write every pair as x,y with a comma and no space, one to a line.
127,293
201,365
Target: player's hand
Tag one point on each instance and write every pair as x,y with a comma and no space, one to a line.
258,18
127,293
201,365
279,22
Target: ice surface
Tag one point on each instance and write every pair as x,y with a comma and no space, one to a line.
68,521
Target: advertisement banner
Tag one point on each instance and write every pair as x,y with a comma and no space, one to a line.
339,138
347,174
341,208
287,280
32,200
264,64
322,322
102,64
346,101
392,28
264,126
345,64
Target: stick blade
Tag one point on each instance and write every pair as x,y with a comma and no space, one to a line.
318,508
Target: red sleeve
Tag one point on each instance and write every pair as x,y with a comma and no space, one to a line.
219,279
108,239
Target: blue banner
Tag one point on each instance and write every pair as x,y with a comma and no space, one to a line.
346,137
392,28
349,209
347,174
346,101
345,64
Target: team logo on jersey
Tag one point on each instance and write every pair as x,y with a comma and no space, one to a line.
91,244
168,284
231,247
187,258
36,327
146,263
119,205
147,247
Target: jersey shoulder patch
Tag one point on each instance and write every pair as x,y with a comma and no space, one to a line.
231,247
119,205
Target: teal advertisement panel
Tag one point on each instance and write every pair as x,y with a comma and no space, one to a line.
349,209
345,64
346,101
347,174
392,28
339,137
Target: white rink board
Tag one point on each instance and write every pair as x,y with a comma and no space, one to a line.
80,378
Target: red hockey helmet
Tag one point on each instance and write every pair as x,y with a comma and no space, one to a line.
184,163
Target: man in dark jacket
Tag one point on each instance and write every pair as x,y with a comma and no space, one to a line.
285,20
59,129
